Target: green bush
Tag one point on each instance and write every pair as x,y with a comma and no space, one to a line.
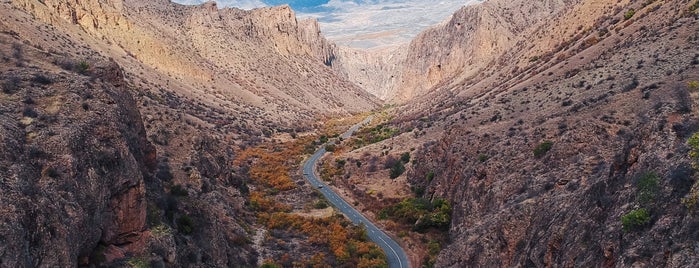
323,139
635,219
482,157
178,190
340,162
693,85
397,169
647,187
542,148
629,14
330,147
419,191
138,263
269,265
430,176
420,213
82,68
690,201
405,157
185,224
321,204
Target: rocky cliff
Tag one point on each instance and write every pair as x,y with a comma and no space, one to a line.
376,70
74,161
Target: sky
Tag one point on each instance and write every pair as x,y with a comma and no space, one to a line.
362,23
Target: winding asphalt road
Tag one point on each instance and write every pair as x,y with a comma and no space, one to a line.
394,253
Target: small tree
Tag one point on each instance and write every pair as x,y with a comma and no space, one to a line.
629,14
397,169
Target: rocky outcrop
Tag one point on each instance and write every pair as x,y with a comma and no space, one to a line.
74,160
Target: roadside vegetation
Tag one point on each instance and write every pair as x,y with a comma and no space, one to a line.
270,167
418,220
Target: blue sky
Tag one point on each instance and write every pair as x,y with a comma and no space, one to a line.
362,23
298,5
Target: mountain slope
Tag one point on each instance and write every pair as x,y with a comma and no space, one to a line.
221,57
551,130
542,157
198,83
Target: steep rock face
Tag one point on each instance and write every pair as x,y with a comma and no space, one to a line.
470,40
74,159
375,70
542,162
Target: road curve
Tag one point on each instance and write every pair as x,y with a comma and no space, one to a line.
394,253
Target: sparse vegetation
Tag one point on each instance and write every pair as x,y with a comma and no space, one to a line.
397,169
693,85
635,220
542,148
691,199
693,8
161,230
483,157
82,67
320,204
430,176
185,224
376,134
178,190
269,264
420,213
42,79
433,249
138,263
647,187
629,14
10,85
269,167
349,244
405,157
